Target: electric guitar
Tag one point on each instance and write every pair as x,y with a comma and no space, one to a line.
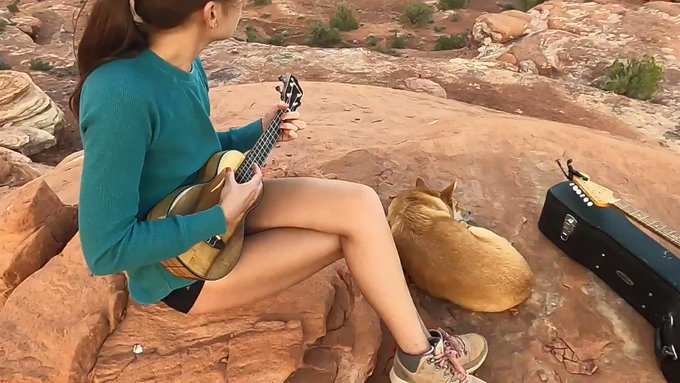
215,257
594,194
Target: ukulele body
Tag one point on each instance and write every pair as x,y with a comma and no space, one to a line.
211,259
637,267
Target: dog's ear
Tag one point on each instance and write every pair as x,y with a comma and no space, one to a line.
447,194
420,184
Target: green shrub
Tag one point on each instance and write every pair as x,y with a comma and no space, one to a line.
344,19
278,39
322,35
266,15
638,78
3,25
37,64
372,41
13,8
417,14
260,3
445,5
445,43
251,35
4,65
454,17
70,71
397,42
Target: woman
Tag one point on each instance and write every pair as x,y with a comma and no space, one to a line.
143,109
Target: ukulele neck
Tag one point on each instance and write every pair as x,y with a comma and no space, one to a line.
261,150
657,227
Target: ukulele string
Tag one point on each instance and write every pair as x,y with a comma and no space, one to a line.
261,151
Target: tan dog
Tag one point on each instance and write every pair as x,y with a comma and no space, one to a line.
469,266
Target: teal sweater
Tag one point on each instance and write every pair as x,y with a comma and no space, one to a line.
146,130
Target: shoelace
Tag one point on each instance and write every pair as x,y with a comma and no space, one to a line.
454,349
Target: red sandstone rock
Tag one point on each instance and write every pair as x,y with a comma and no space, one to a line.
35,226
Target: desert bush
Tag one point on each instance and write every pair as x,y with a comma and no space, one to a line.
344,19
13,7
37,64
639,78
278,39
445,5
417,14
526,5
260,3
372,41
397,42
322,35
251,35
4,65
454,17
445,43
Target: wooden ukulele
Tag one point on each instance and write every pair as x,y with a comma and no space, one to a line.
215,257
593,194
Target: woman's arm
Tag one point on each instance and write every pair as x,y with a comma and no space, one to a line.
239,138
116,129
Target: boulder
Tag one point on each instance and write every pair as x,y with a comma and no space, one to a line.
17,169
34,227
29,118
500,28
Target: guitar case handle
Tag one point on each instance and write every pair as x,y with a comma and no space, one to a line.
666,350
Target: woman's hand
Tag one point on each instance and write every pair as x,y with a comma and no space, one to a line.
290,122
236,198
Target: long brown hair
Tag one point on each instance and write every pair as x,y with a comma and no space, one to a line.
111,32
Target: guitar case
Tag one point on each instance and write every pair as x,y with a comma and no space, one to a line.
635,266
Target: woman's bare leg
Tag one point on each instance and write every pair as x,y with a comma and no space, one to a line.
271,261
347,214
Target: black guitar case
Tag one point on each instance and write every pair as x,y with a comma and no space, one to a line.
635,266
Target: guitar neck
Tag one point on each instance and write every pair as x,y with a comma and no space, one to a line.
261,150
657,227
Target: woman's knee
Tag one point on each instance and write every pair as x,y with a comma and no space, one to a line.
366,202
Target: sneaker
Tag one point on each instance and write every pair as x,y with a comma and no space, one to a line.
451,360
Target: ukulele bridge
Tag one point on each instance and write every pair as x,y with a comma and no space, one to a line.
215,242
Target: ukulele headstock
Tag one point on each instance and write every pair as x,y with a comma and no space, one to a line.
291,91
590,192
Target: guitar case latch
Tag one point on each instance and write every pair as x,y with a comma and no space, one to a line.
568,226
666,350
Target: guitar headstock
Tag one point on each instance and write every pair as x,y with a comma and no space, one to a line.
291,92
590,192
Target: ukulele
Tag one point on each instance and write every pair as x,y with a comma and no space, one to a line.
594,194
215,257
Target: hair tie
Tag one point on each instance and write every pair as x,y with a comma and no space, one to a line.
135,16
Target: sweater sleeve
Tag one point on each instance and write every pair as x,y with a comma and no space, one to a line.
116,129
241,139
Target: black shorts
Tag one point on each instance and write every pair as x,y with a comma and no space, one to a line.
183,299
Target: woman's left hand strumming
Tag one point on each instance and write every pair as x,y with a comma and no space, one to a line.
290,121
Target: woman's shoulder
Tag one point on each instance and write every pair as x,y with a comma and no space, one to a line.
121,76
